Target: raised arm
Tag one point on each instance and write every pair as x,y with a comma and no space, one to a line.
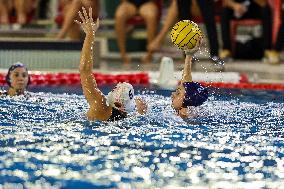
99,110
186,75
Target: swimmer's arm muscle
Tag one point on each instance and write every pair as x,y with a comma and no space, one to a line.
186,76
99,110
89,84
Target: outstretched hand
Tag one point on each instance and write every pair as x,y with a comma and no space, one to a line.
194,50
87,23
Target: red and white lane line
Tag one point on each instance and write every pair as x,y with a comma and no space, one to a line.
167,81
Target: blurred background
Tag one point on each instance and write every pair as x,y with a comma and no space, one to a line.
243,36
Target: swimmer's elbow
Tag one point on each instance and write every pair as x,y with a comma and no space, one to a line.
103,115
90,116
91,119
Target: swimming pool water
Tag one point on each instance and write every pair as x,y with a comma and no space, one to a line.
236,141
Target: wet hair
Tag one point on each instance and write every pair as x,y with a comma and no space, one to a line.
195,94
13,67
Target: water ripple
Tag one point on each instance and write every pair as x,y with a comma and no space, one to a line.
46,142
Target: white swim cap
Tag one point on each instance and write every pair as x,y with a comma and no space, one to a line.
123,93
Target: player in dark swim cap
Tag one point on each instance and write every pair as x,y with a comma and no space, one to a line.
17,79
120,101
188,94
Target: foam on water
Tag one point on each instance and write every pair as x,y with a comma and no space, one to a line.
46,142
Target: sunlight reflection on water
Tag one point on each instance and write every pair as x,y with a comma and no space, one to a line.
47,142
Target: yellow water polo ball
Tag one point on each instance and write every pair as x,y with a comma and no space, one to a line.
185,34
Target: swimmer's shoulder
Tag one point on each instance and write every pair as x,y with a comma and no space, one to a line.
110,114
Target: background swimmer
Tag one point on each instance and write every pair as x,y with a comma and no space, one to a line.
121,99
17,79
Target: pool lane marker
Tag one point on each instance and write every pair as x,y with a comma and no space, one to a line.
139,78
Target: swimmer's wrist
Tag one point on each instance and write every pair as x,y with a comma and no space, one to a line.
188,59
187,53
90,36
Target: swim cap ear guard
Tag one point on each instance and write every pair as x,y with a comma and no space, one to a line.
13,67
195,94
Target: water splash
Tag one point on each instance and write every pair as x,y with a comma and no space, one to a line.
46,141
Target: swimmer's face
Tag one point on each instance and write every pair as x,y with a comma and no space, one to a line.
19,78
178,97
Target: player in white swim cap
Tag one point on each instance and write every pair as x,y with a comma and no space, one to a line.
122,97
120,101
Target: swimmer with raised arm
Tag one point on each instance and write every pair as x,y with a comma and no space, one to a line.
17,79
120,101
188,94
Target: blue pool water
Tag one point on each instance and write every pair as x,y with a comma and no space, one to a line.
236,141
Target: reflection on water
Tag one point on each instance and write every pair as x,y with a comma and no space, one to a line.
46,142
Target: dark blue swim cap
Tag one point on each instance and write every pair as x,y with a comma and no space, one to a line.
14,66
195,94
